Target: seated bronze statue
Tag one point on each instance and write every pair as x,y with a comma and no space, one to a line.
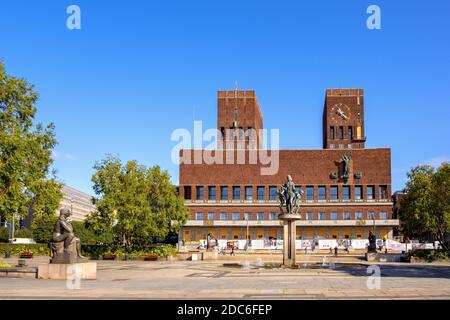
64,239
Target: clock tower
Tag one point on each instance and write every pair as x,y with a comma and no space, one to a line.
343,119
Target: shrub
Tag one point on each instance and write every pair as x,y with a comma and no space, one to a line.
164,251
4,234
17,249
23,233
431,254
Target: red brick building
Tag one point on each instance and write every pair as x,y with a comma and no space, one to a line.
236,201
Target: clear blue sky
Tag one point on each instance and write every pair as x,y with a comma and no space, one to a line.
137,70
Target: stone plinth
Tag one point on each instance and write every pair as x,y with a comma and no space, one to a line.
210,255
289,235
56,271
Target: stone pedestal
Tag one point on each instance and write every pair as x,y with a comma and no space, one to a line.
289,236
56,271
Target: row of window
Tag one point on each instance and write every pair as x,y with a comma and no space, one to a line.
310,194
341,133
309,216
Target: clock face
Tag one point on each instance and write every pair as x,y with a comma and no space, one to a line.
340,113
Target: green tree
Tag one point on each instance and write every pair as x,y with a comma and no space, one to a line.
25,150
137,203
426,207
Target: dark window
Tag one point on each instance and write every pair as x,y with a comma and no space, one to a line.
200,193
358,192
334,193
273,193
370,194
309,193
383,190
322,193
322,216
223,193
346,192
350,132
260,193
187,192
212,193
222,133
341,133
260,215
332,133
248,193
236,193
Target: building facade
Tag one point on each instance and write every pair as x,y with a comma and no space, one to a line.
233,200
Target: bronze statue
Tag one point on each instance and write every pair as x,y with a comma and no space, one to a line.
372,242
63,234
289,196
346,159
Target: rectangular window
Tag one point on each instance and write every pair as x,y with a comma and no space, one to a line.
260,191
350,132
272,216
309,193
333,215
370,216
341,146
346,192
331,146
223,216
383,190
358,192
236,193
358,215
211,216
260,215
222,133
241,134
334,193
341,133
370,194
248,216
322,216
332,133
248,193
322,193
187,192
273,193
349,145
212,193
224,193
236,216
383,216
309,216
200,193
346,215
199,216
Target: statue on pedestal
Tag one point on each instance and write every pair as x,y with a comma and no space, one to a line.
65,247
346,172
372,242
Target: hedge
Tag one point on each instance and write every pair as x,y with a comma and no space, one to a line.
39,249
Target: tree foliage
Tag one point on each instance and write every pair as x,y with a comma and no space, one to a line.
25,152
137,203
426,207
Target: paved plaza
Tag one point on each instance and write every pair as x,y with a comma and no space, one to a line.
213,280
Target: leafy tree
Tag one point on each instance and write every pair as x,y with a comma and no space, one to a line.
137,203
426,207
25,151
88,236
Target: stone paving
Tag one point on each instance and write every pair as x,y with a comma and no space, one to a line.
212,280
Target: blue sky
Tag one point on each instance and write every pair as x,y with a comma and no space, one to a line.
137,70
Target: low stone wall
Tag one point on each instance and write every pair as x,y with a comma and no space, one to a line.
385,257
18,272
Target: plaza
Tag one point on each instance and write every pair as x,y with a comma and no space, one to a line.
214,280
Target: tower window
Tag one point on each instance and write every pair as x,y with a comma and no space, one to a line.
260,193
358,192
383,190
273,193
333,192
222,133
248,193
309,193
224,193
322,193
370,195
350,132
331,132
236,193
346,192
200,193
341,133
211,193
